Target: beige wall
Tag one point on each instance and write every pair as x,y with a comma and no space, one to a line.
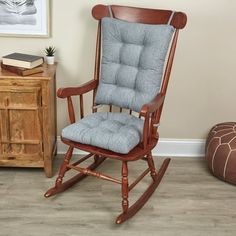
203,83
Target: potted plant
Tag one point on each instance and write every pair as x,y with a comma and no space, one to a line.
50,52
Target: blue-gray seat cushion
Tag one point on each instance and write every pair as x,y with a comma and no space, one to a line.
133,57
118,132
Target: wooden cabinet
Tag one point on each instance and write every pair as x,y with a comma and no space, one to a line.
28,119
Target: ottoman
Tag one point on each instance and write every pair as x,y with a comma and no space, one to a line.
221,151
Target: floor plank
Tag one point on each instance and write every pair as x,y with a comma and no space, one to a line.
189,201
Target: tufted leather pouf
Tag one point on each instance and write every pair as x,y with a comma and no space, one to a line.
221,151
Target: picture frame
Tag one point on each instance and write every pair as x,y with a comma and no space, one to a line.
25,18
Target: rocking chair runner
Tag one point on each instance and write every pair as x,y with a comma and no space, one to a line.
134,43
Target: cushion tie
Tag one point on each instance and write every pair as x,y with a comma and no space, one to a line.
110,11
171,17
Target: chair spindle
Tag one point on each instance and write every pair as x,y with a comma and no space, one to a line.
81,106
71,110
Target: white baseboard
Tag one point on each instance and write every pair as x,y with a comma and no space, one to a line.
180,147
165,147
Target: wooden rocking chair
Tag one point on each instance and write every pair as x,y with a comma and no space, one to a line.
134,44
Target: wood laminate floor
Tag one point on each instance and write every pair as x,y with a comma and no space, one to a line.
189,201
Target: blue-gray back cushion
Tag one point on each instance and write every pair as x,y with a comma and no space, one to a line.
133,57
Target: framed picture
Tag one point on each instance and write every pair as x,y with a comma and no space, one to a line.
27,18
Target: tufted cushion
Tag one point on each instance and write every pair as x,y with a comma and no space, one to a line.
118,132
133,58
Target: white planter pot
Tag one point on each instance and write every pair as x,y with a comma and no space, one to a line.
50,60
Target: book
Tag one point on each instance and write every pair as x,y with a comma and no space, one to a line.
22,71
22,60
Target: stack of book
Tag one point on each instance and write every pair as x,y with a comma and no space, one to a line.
22,64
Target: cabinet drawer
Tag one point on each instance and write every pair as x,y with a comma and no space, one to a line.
20,97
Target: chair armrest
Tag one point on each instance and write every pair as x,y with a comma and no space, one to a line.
146,110
72,91
153,106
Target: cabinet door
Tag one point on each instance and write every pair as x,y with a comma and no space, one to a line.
20,125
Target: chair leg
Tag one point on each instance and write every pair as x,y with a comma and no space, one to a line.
96,158
125,187
63,167
58,183
132,210
151,165
61,187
